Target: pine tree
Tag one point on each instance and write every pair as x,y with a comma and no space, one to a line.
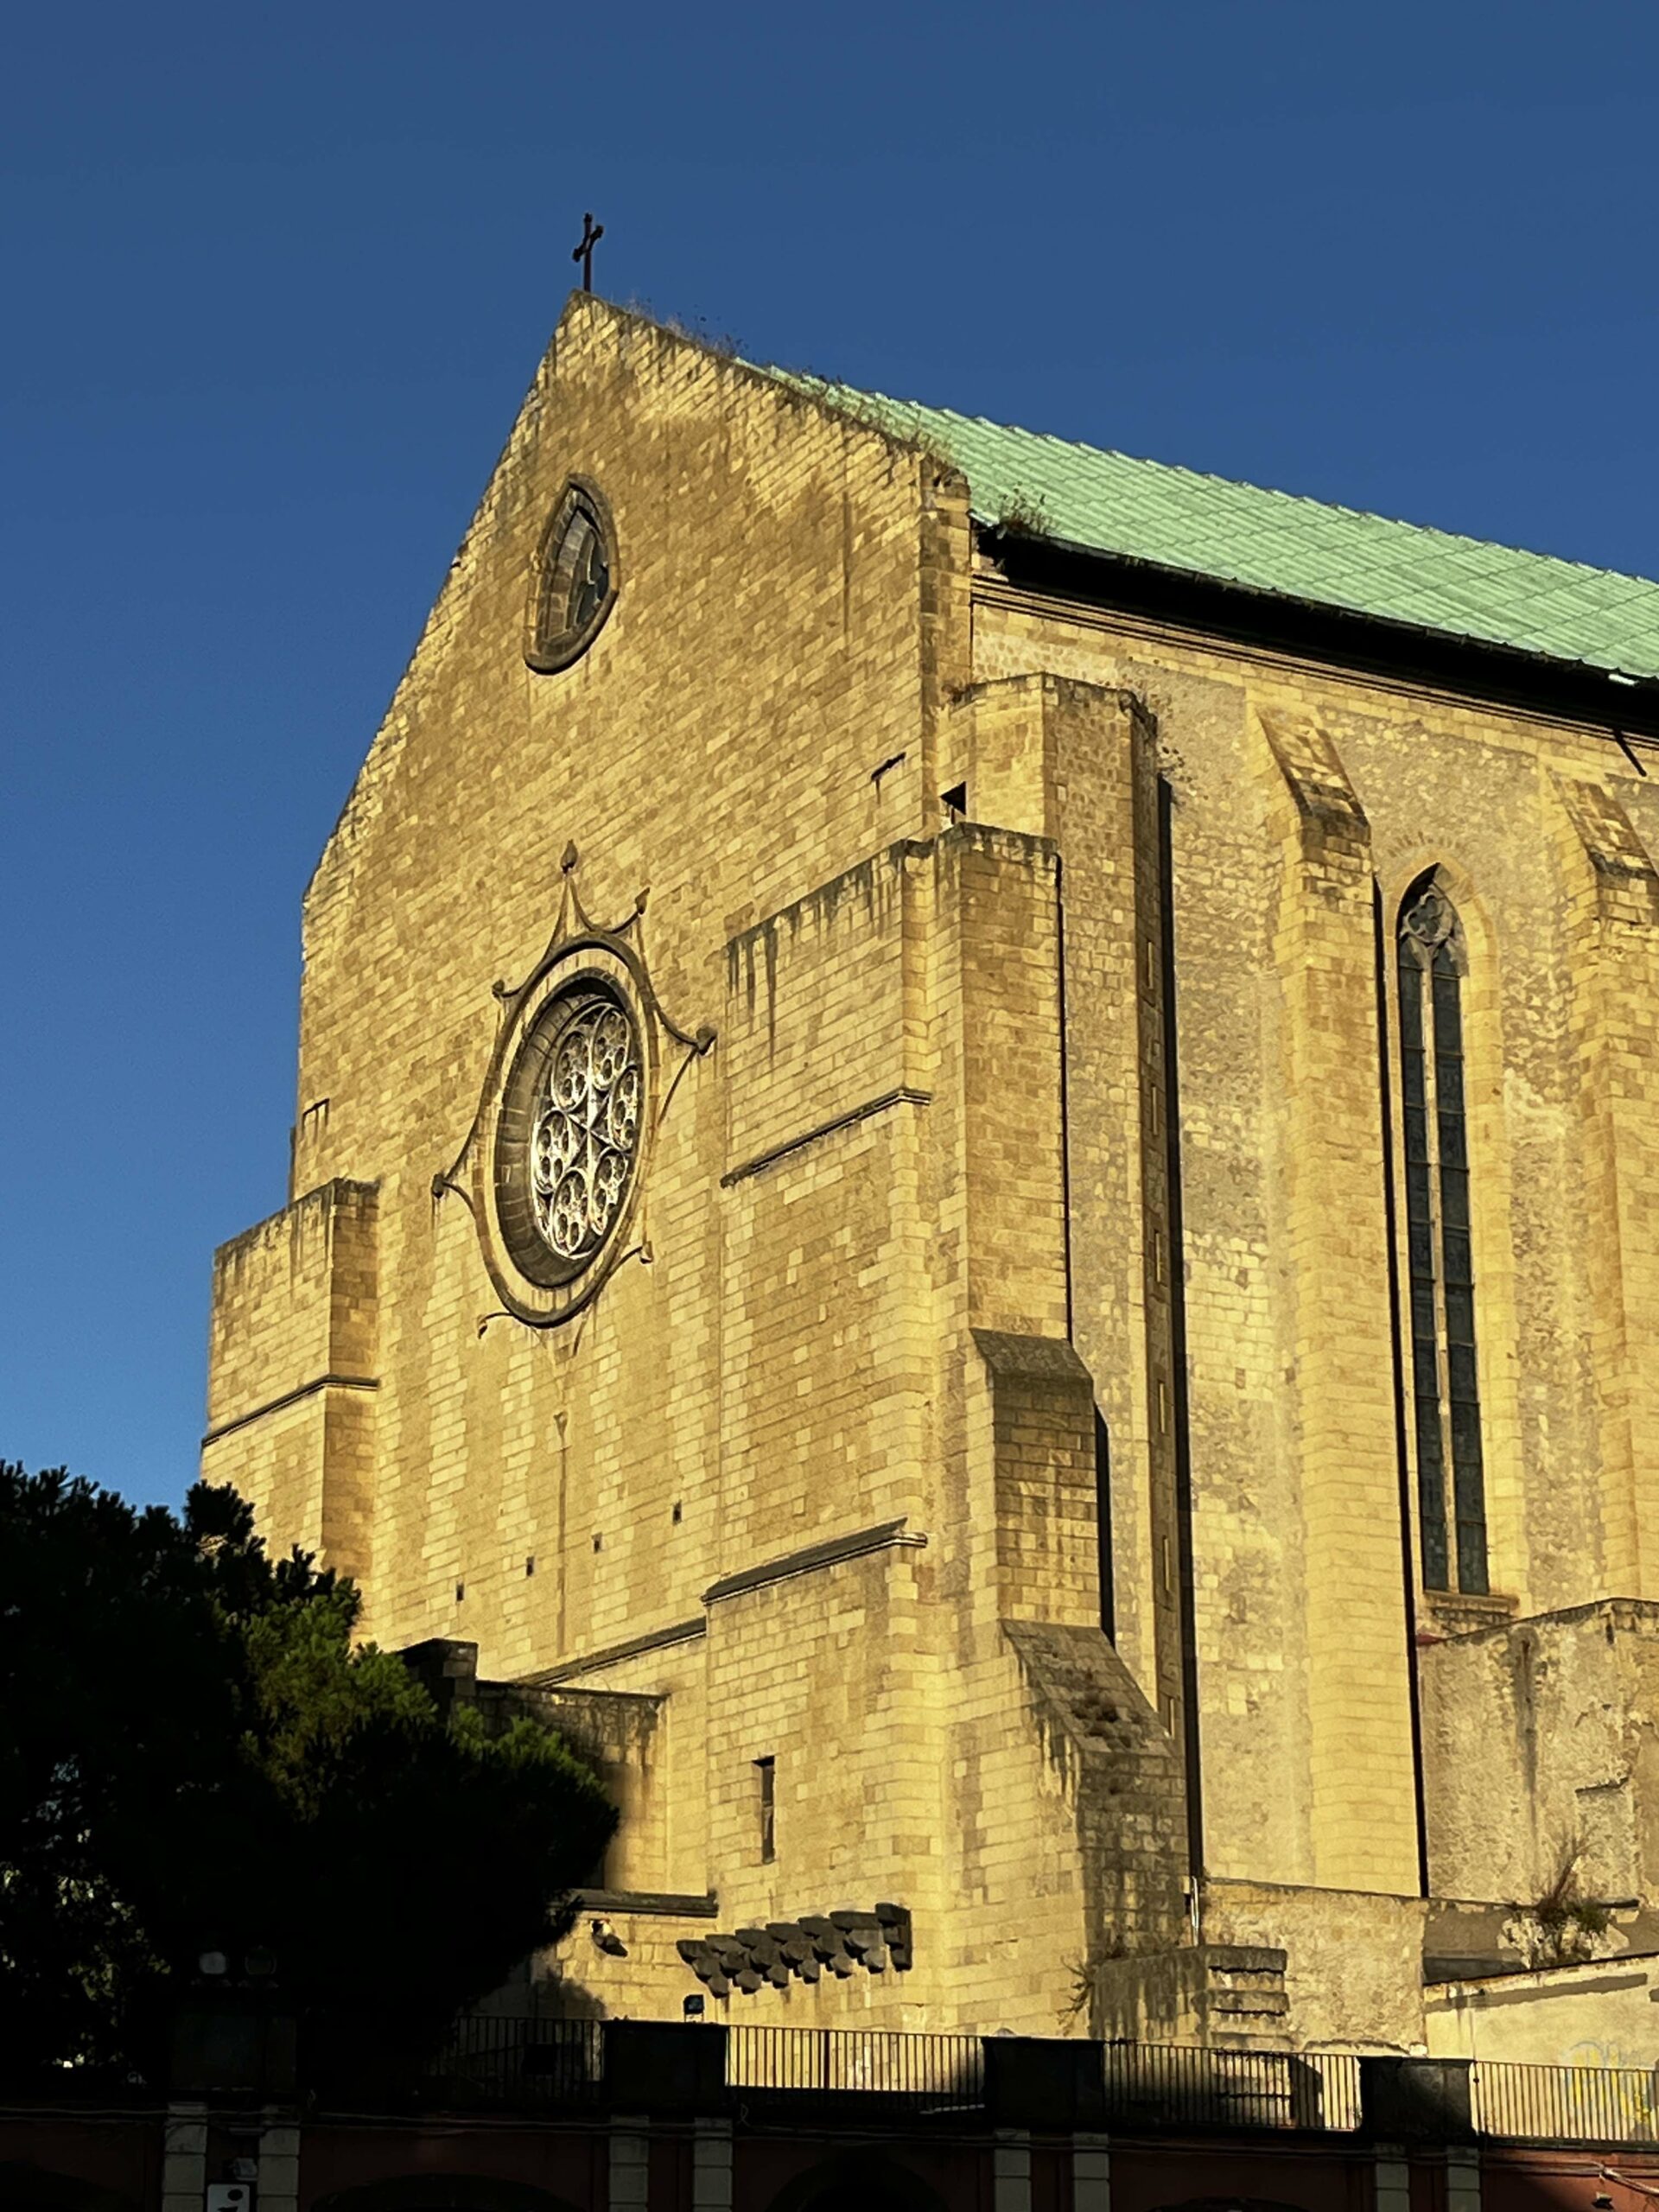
194,1755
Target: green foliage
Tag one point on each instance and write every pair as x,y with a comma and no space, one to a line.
194,1756
1565,1925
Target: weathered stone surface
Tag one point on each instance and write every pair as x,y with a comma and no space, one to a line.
915,1292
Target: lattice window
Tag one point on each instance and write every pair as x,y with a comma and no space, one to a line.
1445,1398
568,1140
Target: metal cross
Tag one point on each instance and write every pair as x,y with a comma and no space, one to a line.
591,234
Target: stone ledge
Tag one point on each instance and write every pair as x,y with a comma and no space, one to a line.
290,1398
613,1654
901,1094
1051,1357
662,1904
885,1536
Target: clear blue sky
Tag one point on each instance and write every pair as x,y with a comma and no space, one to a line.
275,280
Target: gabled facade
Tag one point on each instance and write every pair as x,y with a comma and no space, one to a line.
977,1182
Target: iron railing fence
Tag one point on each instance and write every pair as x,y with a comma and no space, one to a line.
526,2063
517,2062
924,2072
1572,2104
1155,2085
1173,2085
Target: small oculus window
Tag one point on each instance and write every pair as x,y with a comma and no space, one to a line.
574,584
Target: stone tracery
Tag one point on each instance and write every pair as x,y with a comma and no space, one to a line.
586,1130
554,1166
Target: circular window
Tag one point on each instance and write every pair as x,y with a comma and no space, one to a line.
568,1140
574,584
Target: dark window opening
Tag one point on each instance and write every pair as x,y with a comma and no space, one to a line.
1444,1421
766,1769
1103,1524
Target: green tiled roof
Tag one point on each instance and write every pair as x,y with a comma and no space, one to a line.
1299,548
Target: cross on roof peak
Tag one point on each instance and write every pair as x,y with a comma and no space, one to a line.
591,234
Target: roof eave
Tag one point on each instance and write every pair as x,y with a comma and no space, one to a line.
1631,698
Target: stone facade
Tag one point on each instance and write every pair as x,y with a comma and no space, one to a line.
987,1446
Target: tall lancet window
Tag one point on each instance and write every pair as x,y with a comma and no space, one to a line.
1451,1486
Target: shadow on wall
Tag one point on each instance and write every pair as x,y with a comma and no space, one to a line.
561,1998
24,2188
443,2193
861,2182
1231,2204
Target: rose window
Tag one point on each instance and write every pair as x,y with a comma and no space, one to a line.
584,1129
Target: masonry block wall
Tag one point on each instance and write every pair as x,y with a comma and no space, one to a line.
293,1369
1037,1515
1338,1433
1610,893
1555,1719
1291,792
444,875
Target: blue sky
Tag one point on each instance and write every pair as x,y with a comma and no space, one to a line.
275,279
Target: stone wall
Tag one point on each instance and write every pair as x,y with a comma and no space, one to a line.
1270,766
767,652
1543,1739
294,1370
989,912
1598,2014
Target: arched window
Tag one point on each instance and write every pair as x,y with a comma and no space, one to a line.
1450,1484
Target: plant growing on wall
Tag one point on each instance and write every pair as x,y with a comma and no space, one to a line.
1563,1926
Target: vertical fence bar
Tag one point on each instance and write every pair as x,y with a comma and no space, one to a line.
517,2062
915,2068
1604,2104
524,2061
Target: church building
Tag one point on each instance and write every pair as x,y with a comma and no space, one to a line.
976,1187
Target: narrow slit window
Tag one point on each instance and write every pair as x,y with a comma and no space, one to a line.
1104,1523
767,1775
1445,1400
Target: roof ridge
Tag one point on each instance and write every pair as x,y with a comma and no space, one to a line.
1234,483
1258,537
